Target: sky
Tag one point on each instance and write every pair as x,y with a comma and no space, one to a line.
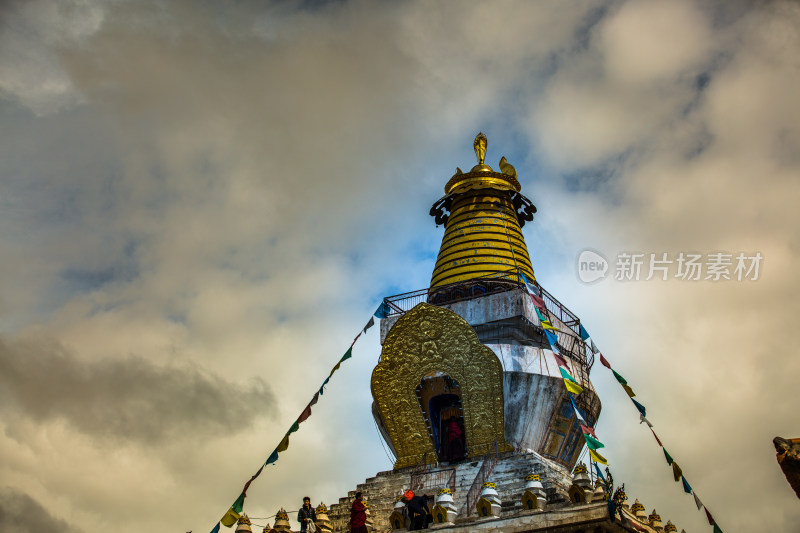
201,204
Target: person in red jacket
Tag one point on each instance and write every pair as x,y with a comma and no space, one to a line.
358,515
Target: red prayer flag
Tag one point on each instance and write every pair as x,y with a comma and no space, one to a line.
538,302
304,415
560,360
354,340
588,430
708,515
604,362
657,439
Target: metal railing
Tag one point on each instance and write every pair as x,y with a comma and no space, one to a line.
435,479
489,462
569,341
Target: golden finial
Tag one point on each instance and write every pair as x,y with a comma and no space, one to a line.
480,147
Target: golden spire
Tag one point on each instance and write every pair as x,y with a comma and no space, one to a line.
483,236
479,145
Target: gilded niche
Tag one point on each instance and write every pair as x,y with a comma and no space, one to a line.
426,340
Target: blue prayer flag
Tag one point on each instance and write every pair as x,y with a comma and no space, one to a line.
578,413
383,310
640,407
599,473
584,333
552,338
216,528
686,487
273,457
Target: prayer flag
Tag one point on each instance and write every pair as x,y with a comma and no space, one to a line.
273,457
593,346
604,362
234,512
383,310
347,355
619,378
230,518
584,333
354,340
716,527
369,324
560,359
538,302
628,390
552,338
307,411
545,322
575,407
587,430
657,439
593,443
667,455
294,428
708,515
599,473
596,457
566,375
686,487
574,388
697,501
640,407
284,444
646,421
305,414
677,473
216,528
322,388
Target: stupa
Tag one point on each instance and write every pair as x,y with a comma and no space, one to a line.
467,393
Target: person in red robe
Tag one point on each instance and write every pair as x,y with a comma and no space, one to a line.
358,515
455,442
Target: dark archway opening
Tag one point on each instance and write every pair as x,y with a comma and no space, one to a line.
440,398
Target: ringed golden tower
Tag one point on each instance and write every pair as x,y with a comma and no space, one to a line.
483,235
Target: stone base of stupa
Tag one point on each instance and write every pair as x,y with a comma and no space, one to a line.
508,475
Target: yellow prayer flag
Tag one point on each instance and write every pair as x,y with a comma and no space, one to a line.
628,389
597,458
230,518
573,387
283,445
547,325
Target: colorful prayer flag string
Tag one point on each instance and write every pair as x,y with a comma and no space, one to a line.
235,511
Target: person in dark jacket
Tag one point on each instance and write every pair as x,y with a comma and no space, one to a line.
306,514
358,515
418,510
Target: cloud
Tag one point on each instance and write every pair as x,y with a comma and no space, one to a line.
19,512
227,191
124,400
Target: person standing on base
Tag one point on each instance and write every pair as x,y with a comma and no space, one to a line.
358,515
306,514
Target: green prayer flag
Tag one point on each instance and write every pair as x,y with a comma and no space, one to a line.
666,454
347,355
592,442
238,505
619,378
566,375
294,427
716,528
